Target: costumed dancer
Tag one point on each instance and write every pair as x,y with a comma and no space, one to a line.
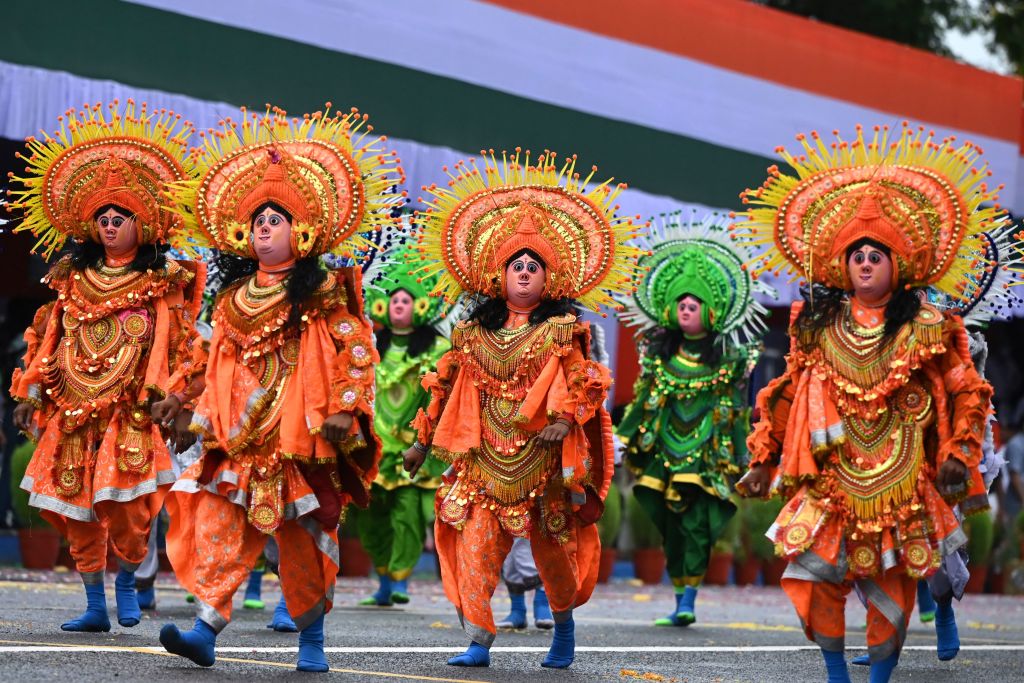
687,425
875,429
517,406
393,528
519,571
286,416
988,297
110,361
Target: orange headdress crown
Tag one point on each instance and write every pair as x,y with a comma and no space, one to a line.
126,159
486,216
334,182
920,198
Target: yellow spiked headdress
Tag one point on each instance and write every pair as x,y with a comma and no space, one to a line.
125,157
486,215
324,169
927,200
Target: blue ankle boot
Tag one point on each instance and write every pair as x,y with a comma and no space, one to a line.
196,645
475,655
311,648
95,616
882,669
400,591
282,621
254,591
563,646
382,598
542,610
685,606
128,612
925,602
146,597
946,634
835,666
517,616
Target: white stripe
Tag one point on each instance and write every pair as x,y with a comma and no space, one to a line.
550,62
31,99
666,649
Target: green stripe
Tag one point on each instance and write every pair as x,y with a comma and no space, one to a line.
149,48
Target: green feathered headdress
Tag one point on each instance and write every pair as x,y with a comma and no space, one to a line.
392,272
697,258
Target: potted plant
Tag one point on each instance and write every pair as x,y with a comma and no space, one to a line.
355,561
648,555
723,553
608,530
746,565
761,513
980,534
38,541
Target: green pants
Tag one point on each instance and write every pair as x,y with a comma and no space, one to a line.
393,528
689,535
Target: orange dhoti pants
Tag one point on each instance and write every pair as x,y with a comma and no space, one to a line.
820,604
125,525
471,560
212,547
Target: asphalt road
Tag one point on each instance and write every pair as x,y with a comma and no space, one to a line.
742,634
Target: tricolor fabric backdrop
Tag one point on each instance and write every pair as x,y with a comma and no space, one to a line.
685,100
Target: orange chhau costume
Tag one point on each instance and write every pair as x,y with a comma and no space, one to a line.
266,467
114,340
855,431
495,390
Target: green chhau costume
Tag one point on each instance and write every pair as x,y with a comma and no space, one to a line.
393,528
687,425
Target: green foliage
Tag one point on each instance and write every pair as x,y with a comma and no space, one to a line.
645,532
27,515
757,515
1005,19
980,536
611,521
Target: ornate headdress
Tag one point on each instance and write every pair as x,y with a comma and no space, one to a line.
487,215
990,291
393,270
322,169
698,258
125,158
919,197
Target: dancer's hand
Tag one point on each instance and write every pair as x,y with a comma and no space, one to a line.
951,477
755,483
413,459
336,426
182,437
23,416
553,433
164,411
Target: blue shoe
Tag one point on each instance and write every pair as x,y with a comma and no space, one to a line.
254,590
862,660
128,612
282,621
925,602
400,591
146,598
946,635
881,670
196,645
94,619
542,610
382,598
311,648
475,655
835,666
563,646
685,609
517,616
